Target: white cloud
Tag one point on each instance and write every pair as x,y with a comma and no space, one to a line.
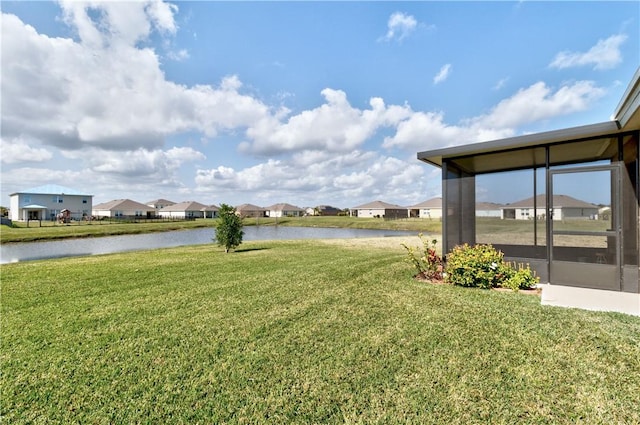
71,94
501,83
604,55
179,55
399,26
335,126
25,177
443,74
100,23
425,130
19,150
538,102
357,177
428,129
140,166
161,14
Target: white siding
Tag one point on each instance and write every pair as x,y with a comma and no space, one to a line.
430,213
79,205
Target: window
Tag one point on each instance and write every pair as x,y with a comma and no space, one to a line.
57,199
84,200
119,214
26,200
520,194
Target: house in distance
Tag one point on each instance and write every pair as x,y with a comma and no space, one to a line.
46,202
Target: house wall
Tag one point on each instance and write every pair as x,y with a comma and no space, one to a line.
293,213
181,214
430,213
585,213
78,205
396,213
559,213
14,207
489,213
251,213
528,213
101,213
285,213
369,213
121,213
159,206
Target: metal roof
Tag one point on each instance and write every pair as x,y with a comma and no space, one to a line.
185,206
377,205
519,151
430,203
249,207
283,207
558,201
627,112
122,205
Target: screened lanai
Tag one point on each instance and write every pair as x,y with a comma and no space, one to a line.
569,206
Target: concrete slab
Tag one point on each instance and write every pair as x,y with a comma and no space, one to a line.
590,299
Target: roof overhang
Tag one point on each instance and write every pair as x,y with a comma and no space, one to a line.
520,151
627,113
34,207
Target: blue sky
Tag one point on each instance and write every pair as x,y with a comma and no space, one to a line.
302,102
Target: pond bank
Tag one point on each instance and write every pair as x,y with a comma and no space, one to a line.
58,232
29,251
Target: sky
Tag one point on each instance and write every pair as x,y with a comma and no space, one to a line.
308,103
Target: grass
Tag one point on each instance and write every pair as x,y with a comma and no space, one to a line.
49,231
410,224
298,332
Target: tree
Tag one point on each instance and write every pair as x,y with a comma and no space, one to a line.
229,228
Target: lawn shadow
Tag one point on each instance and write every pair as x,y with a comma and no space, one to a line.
256,248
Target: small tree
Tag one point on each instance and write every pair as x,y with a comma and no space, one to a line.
229,228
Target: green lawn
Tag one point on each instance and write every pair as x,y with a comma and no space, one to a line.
298,332
51,230
412,224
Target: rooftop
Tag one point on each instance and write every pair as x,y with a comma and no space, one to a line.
52,189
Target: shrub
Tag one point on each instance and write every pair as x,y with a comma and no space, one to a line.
522,277
426,260
476,266
229,228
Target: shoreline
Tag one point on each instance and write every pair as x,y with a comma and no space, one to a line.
21,234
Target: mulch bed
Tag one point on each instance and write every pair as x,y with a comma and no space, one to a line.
422,278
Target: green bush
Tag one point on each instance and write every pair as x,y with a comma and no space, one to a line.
483,266
522,277
476,266
426,261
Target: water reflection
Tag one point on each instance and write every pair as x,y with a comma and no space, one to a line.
109,244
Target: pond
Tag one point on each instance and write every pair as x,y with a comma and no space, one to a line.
14,252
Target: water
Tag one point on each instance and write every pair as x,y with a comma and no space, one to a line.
14,252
